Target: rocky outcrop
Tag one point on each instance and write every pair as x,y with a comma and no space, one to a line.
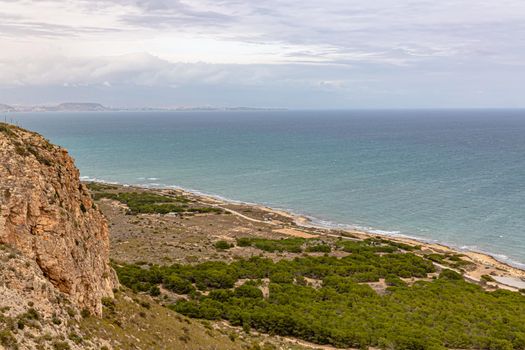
33,313
48,216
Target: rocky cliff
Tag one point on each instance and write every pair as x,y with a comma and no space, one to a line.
48,217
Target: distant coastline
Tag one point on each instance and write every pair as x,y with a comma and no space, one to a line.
97,107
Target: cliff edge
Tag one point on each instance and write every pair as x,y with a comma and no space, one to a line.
48,217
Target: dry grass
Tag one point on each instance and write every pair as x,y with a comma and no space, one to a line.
137,322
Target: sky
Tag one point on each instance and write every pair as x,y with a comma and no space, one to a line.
265,53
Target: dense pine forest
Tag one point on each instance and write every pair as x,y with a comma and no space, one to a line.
330,300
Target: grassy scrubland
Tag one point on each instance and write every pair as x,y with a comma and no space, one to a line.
150,203
341,292
298,245
326,300
135,322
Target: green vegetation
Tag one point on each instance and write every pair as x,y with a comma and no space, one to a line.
319,248
7,130
343,310
145,203
132,321
25,150
60,345
38,155
450,260
205,210
290,245
149,203
487,278
7,339
222,245
85,313
176,284
373,245
100,187
450,275
394,281
213,275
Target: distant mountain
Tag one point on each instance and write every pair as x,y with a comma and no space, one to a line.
63,107
80,107
6,108
254,109
97,107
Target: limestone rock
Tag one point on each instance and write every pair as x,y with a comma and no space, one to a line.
33,313
50,218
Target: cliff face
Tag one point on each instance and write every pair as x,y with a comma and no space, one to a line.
47,215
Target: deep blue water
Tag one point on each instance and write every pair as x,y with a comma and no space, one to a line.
453,176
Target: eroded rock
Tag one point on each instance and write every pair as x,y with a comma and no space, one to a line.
49,217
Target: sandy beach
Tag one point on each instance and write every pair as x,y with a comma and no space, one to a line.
505,275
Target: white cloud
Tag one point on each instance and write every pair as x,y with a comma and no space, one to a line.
329,45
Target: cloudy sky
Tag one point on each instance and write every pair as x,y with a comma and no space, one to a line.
266,53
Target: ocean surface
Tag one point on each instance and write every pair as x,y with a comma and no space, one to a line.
450,176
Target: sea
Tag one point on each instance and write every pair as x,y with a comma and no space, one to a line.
455,177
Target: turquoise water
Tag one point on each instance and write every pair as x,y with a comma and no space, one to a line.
451,176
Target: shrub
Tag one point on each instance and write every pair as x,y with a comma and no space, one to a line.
221,295
244,242
85,313
487,278
281,277
7,338
222,245
292,245
154,291
75,338
205,210
109,303
246,291
177,284
6,129
61,345
394,281
368,245
32,314
450,275
145,304
21,150
71,312
320,248
43,160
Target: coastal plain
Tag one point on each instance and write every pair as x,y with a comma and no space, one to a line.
190,238
271,278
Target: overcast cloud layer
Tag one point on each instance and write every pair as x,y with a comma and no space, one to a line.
296,54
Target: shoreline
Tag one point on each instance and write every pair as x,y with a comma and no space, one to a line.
307,223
